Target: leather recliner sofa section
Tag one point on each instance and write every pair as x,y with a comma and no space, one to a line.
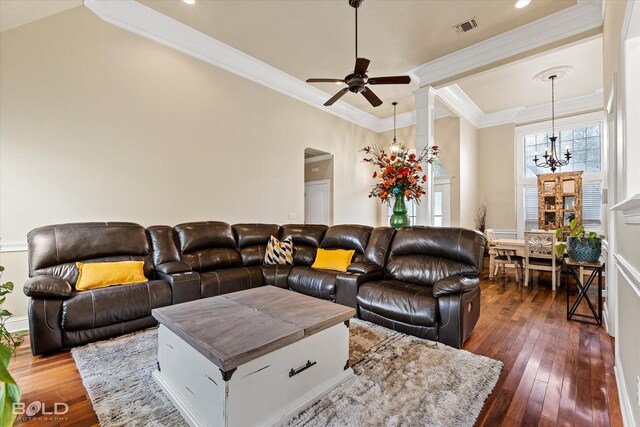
419,280
59,316
430,287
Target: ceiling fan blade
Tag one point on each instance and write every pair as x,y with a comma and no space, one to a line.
335,97
371,97
362,64
325,80
390,80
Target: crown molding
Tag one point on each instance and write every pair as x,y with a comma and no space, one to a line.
147,22
459,101
585,15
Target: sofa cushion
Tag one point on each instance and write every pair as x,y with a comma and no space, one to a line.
306,240
316,283
95,275
424,255
279,252
404,302
193,236
55,249
252,241
228,280
333,259
276,275
348,236
100,307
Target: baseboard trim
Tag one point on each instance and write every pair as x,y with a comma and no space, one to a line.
625,402
17,324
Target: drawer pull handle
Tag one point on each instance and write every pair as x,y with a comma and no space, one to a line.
189,390
304,367
170,346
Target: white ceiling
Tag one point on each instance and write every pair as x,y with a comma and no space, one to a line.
14,13
315,38
512,85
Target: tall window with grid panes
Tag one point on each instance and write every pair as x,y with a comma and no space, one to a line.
584,140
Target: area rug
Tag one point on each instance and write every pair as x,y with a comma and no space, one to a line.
400,380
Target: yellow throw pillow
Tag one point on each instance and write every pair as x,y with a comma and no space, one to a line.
334,259
93,275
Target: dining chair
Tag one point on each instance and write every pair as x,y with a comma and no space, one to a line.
502,258
540,255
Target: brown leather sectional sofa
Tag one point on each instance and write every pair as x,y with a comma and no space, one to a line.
418,280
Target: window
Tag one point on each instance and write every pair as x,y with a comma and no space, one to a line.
582,135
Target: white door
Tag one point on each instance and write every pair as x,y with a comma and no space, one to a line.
317,202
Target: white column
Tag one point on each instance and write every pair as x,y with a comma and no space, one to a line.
425,104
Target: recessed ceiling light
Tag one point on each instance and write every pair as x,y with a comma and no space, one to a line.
519,4
194,1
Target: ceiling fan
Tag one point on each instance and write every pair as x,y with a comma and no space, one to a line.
358,80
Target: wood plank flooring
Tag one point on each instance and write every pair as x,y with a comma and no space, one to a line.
556,372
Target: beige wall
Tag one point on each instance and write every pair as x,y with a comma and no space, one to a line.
627,236
446,135
497,175
98,124
469,201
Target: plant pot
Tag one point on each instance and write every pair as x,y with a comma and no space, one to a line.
399,217
585,250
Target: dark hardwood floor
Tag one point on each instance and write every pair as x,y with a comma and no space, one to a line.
556,372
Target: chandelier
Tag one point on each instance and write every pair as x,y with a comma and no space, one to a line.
551,159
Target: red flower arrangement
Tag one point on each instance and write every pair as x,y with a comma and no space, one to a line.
399,173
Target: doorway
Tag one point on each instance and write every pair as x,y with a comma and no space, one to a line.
318,187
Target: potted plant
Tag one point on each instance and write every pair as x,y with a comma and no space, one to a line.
580,245
399,176
9,390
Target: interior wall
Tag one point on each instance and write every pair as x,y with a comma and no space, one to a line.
446,135
627,236
469,201
98,124
496,175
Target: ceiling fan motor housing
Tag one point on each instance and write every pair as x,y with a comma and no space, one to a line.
356,82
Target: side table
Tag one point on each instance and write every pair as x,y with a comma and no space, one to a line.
574,268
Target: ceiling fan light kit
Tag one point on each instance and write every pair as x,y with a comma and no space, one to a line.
358,80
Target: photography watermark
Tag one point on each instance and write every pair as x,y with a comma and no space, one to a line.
41,411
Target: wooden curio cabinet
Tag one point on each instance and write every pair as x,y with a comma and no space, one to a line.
559,200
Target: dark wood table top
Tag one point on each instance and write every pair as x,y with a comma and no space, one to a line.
236,328
574,263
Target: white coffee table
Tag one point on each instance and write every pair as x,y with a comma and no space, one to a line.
255,357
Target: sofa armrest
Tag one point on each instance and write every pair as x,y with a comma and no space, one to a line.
173,267
363,267
455,285
46,286
347,285
184,286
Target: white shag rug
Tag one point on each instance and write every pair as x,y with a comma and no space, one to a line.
399,380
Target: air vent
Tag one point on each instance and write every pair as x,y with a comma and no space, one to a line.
467,25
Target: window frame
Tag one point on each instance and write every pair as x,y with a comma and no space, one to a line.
587,177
